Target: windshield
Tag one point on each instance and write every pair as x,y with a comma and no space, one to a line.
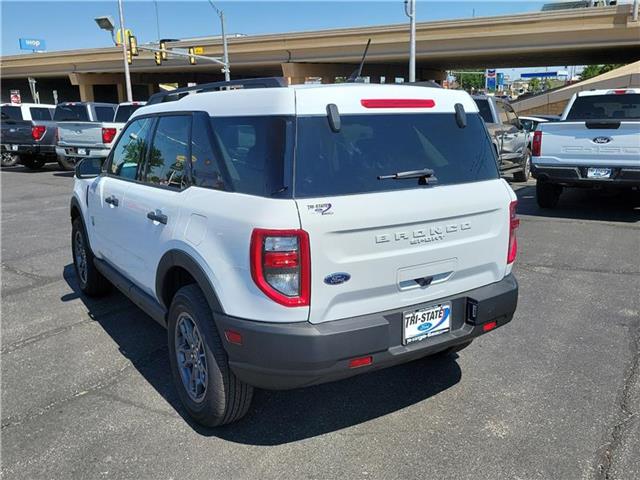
367,146
124,112
485,109
10,113
619,107
71,113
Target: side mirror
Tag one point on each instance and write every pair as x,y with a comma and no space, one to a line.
89,167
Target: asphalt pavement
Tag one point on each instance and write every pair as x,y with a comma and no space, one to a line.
87,393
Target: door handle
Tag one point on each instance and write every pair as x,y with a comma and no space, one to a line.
158,216
111,200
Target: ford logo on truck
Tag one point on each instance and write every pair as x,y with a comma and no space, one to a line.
602,140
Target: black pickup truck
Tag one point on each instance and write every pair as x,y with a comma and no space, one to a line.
27,135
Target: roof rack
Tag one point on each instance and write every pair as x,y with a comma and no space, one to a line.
244,83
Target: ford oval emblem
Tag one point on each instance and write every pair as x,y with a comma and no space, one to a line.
601,140
337,278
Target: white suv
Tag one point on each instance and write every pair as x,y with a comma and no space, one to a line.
292,235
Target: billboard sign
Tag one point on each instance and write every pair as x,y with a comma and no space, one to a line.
539,75
33,44
15,96
490,82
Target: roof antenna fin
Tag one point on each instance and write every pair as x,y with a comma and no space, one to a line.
356,76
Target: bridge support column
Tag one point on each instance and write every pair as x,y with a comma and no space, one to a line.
122,94
86,93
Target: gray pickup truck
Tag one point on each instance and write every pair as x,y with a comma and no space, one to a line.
510,139
28,134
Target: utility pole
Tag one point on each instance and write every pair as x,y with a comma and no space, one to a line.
410,11
123,35
225,52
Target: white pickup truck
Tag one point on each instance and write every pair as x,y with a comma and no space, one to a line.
596,144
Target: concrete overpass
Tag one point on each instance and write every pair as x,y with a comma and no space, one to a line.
566,37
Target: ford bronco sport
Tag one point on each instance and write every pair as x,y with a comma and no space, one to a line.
293,235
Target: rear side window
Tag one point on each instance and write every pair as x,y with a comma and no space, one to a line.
10,113
205,168
38,113
130,149
253,150
123,112
619,107
367,146
167,157
71,113
104,114
485,109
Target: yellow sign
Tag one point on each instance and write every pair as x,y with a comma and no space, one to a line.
198,50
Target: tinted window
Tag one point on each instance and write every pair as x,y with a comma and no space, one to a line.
104,114
204,164
620,107
130,149
123,112
485,110
71,113
367,146
39,113
529,125
253,150
511,116
11,113
168,155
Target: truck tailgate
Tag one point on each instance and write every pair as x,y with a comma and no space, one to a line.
16,132
598,143
80,133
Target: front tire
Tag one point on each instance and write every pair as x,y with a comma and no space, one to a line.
524,174
547,194
90,279
9,159
208,389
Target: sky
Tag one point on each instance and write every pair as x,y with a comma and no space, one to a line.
68,25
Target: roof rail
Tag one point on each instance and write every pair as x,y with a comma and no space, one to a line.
243,83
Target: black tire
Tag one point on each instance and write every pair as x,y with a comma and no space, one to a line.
10,159
33,163
524,174
547,194
91,281
66,164
221,398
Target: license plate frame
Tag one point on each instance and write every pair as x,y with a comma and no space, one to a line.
83,151
426,322
598,173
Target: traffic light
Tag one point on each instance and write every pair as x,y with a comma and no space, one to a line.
163,47
192,59
158,58
129,57
133,45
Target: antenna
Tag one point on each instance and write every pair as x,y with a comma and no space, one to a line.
357,73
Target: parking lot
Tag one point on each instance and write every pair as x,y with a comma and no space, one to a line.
87,393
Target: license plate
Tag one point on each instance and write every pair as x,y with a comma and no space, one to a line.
14,148
82,151
425,322
598,173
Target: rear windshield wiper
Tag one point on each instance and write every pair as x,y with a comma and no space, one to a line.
425,176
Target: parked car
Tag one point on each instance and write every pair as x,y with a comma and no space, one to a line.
28,134
84,129
293,235
595,145
510,139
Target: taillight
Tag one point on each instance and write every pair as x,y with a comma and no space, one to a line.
108,134
37,132
514,223
536,144
281,265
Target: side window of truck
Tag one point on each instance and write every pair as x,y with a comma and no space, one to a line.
104,114
129,151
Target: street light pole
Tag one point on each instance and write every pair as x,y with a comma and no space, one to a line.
225,52
127,75
410,11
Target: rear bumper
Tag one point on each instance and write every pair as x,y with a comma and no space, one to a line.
71,152
30,149
576,176
290,355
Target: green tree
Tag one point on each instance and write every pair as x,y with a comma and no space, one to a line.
534,85
469,81
595,70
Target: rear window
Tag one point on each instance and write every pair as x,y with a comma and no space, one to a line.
39,113
71,113
10,113
105,114
620,107
124,112
350,161
485,110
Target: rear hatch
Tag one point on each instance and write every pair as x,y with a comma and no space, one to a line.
380,244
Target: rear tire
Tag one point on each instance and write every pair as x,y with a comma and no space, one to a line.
524,174
547,194
33,163
91,281
9,159
208,389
